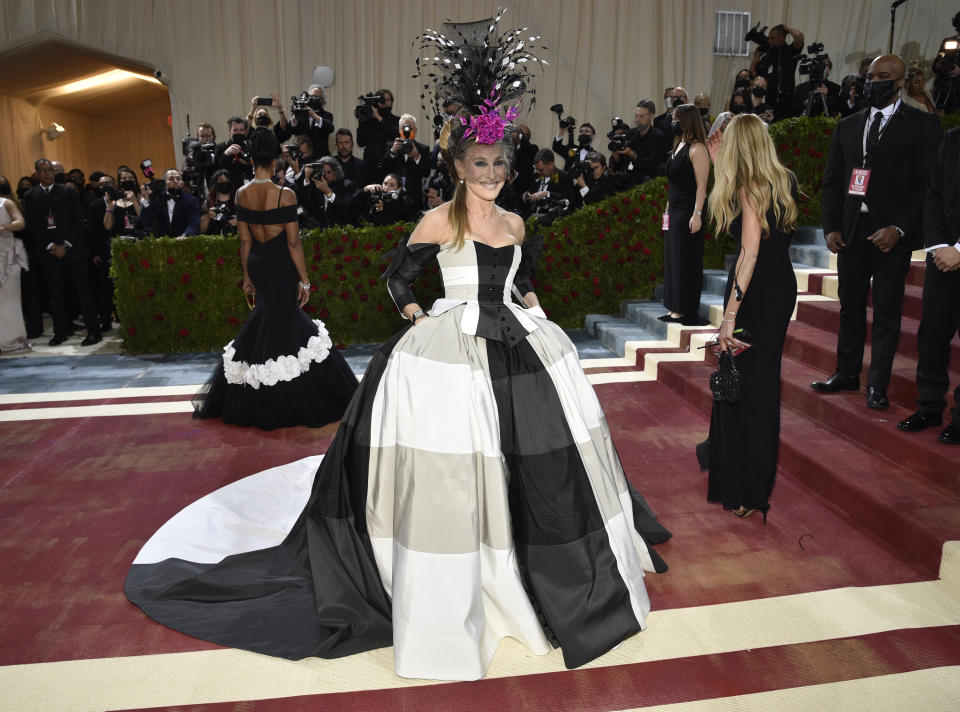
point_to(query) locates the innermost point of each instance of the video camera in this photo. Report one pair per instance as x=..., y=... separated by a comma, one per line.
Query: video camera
x=758, y=35
x=565, y=123
x=814, y=64
x=300, y=105
x=619, y=135
x=550, y=208
x=199, y=155
x=365, y=104
x=379, y=194
x=948, y=58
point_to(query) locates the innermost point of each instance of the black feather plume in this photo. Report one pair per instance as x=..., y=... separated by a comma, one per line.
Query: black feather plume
x=475, y=62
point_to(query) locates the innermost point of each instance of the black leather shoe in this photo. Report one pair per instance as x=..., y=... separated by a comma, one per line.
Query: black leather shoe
x=57, y=340
x=919, y=421
x=837, y=382
x=877, y=398
x=91, y=340
x=950, y=434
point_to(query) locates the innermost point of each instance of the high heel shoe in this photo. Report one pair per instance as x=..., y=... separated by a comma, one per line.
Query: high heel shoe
x=743, y=512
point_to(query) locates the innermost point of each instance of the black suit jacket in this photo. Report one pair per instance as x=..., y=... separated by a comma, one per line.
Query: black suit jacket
x=412, y=172
x=606, y=185
x=186, y=217
x=64, y=203
x=240, y=171
x=899, y=173
x=941, y=208
x=319, y=135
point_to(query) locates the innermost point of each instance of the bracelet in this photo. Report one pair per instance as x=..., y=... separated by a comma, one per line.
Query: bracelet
x=698, y=212
x=725, y=319
x=304, y=285
x=731, y=313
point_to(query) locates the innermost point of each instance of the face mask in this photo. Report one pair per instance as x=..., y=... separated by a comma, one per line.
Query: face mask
x=759, y=92
x=223, y=188
x=677, y=131
x=879, y=92
x=174, y=192
x=4, y=189
x=237, y=139
x=704, y=111
x=584, y=140
x=128, y=185
x=742, y=82
x=263, y=121
x=60, y=178
x=22, y=192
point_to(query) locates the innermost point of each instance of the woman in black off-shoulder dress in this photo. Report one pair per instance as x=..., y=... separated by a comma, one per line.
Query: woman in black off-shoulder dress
x=282, y=368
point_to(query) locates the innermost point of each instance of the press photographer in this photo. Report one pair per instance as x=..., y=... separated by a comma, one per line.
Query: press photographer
x=309, y=118
x=523, y=155
x=377, y=125
x=622, y=155
x=219, y=216
x=199, y=164
x=259, y=115
x=173, y=212
x=946, y=67
x=552, y=193
x=851, y=95
x=817, y=96
x=596, y=182
x=777, y=61
x=573, y=152
x=408, y=158
x=231, y=156
x=387, y=203
x=328, y=198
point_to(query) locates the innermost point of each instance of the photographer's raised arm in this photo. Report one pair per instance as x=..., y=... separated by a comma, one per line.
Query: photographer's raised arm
x=797, y=36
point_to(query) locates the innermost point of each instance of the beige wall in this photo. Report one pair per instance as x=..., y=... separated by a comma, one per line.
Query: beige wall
x=604, y=54
x=90, y=143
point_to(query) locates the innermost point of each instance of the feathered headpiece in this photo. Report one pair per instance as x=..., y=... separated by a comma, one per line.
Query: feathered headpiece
x=480, y=70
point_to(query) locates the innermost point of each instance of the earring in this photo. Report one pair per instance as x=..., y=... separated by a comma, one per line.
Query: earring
x=461, y=181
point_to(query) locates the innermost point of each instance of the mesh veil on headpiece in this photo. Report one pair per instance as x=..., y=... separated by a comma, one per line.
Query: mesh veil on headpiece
x=480, y=70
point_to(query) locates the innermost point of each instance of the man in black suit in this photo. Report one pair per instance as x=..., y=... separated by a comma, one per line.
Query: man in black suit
x=941, y=294
x=598, y=183
x=649, y=144
x=872, y=204
x=328, y=197
x=355, y=169
x=316, y=122
x=174, y=212
x=408, y=158
x=56, y=243
x=824, y=95
x=550, y=182
x=231, y=156
x=374, y=133
x=572, y=153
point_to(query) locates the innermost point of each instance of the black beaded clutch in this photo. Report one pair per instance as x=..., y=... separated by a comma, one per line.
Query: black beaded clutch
x=726, y=383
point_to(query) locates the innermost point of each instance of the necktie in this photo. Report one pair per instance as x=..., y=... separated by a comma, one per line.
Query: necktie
x=873, y=137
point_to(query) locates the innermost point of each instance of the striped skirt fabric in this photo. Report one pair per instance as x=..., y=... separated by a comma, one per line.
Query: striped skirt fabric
x=471, y=493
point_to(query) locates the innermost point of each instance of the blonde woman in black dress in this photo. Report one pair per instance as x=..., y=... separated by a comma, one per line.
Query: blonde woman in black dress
x=755, y=199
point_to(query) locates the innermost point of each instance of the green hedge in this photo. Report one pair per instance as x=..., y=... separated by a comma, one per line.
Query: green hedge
x=185, y=296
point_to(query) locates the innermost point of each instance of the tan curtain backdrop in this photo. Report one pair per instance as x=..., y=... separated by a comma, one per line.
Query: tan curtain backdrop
x=604, y=54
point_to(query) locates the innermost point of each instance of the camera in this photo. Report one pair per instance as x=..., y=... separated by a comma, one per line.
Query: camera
x=197, y=154
x=565, y=123
x=406, y=143
x=221, y=212
x=302, y=104
x=758, y=35
x=365, y=104
x=619, y=135
x=264, y=101
x=814, y=64
x=948, y=58
x=577, y=168
x=380, y=194
x=550, y=208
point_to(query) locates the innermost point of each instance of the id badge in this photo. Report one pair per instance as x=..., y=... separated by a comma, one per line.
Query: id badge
x=666, y=222
x=859, y=180
x=51, y=223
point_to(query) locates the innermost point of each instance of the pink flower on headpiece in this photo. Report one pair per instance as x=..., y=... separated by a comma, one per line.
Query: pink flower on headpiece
x=488, y=126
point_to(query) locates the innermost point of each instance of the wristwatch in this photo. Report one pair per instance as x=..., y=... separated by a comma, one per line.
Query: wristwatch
x=417, y=314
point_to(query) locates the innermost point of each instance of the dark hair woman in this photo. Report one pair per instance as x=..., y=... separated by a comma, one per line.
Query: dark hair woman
x=688, y=168
x=220, y=216
x=281, y=369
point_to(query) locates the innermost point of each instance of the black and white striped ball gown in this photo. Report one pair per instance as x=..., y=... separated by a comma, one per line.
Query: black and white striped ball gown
x=471, y=493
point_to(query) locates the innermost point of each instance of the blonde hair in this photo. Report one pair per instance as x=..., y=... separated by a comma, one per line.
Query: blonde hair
x=747, y=161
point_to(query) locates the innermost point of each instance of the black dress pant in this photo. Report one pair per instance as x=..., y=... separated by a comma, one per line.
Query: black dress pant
x=939, y=324
x=858, y=264
x=56, y=274
x=33, y=299
x=102, y=285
